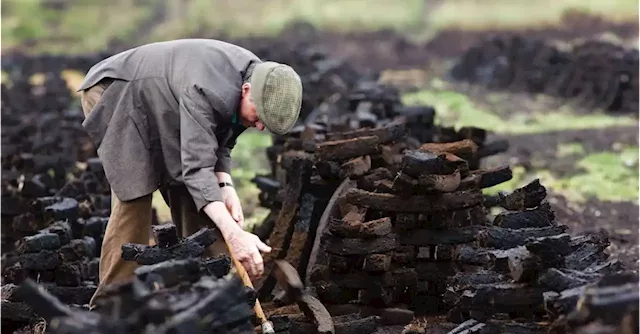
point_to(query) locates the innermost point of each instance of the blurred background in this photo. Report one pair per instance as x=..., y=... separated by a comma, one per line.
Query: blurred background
x=412, y=43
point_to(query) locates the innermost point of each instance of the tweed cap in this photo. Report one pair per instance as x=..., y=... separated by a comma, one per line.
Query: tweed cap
x=276, y=90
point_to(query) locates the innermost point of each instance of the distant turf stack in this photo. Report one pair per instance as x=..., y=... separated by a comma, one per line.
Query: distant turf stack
x=595, y=74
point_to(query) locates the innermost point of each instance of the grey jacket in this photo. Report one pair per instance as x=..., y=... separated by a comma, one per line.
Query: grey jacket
x=167, y=118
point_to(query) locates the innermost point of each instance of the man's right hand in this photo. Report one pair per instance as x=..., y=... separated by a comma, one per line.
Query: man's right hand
x=244, y=246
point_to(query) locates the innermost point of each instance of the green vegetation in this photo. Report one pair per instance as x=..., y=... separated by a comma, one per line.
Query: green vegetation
x=611, y=176
x=456, y=109
x=567, y=149
x=608, y=176
x=249, y=158
x=83, y=26
x=245, y=17
x=473, y=14
x=88, y=25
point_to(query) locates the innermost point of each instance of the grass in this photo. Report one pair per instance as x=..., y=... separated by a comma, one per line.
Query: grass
x=249, y=158
x=456, y=109
x=503, y=14
x=88, y=25
x=244, y=17
x=83, y=27
x=607, y=176
x=611, y=176
x=568, y=149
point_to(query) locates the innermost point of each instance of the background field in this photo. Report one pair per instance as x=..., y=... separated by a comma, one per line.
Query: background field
x=589, y=159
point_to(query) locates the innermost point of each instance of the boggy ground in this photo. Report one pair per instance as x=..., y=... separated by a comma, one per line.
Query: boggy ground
x=591, y=172
x=588, y=161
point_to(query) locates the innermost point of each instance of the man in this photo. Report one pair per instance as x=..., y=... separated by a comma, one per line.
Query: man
x=166, y=116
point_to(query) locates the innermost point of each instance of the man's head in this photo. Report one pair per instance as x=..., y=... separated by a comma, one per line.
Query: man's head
x=271, y=98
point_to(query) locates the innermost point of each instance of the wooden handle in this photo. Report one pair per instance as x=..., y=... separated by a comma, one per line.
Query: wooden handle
x=247, y=282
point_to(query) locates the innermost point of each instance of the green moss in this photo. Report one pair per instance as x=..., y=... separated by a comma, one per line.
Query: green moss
x=567, y=149
x=611, y=176
x=607, y=176
x=456, y=109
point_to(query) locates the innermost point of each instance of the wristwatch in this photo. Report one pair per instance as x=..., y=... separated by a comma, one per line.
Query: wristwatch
x=225, y=184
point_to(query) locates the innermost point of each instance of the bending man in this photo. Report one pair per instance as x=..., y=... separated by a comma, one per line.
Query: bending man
x=166, y=116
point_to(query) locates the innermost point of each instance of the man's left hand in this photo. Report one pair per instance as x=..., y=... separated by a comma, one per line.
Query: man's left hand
x=232, y=202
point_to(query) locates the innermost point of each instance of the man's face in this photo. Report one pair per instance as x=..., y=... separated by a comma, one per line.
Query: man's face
x=248, y=112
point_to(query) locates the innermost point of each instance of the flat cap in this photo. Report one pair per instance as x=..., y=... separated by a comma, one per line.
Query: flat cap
x=276, y=90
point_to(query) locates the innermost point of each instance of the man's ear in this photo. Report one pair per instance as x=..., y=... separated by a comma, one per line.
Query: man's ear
x=246, y=88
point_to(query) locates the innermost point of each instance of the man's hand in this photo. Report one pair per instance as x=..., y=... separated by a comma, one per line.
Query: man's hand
x=232, y=202
x=244, y=246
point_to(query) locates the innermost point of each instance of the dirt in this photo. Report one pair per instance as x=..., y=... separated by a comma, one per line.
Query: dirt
x=385, y=49
x=541, y=150
x=619, y=219
x=575, y=25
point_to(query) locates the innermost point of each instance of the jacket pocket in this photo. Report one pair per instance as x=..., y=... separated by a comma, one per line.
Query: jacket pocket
x=142, y=125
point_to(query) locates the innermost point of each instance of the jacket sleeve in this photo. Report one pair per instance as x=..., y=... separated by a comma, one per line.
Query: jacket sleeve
x=199, y=147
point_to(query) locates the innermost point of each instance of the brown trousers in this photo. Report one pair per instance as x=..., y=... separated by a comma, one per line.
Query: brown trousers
x=130, y=221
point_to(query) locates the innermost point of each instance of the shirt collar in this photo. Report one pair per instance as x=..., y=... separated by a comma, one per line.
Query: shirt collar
x=235, y=121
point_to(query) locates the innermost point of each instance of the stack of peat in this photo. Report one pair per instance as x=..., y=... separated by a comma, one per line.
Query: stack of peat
x=363, y=138
x=385, y=228
x=55, y=197
x=597, y=74
x=347, y=137
x=174, y=290
x=47, y=158
x=524, y=271
x=390, y=243
x=61, y=256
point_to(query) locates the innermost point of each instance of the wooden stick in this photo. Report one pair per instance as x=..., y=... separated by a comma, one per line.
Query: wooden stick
x=266, y=325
